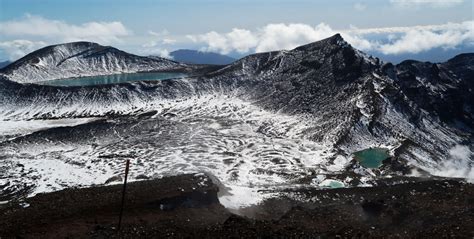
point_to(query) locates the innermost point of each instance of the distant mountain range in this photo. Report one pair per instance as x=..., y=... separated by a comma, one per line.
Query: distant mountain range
x=199, y=57
x=433, y=55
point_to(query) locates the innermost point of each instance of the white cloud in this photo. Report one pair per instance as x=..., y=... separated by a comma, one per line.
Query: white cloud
x=31, y=32
x=269, y=38
x=441, y=27
x=154, y=43
x=420, y=3
x=164, y=32
x=283, y=36
x=272, y=37
x=168, y=41
x=150, y=44
x=418, y=40
x=239, y=40
x=162, y=37
x=41, y=28
x=161, y=52
x=360, y=6
x=391, y=40
x=18, y=48
x=153, y=48
x=214, y=40
x=155, y=51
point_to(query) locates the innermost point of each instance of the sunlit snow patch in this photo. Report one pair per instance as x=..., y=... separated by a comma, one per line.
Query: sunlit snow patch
x=247, y=148
x=330, y=183
x=10, y=129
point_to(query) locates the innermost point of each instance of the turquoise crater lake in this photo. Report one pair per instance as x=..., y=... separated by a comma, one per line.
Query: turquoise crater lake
x=114, y=79
x=372, y=157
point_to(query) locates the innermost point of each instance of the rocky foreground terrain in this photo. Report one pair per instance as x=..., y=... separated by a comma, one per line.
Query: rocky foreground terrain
x=187, y=206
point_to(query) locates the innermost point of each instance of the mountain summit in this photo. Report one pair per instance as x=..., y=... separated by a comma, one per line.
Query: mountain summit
x=331, y=53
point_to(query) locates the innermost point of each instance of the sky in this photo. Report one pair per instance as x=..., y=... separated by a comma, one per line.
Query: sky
x=391, y=29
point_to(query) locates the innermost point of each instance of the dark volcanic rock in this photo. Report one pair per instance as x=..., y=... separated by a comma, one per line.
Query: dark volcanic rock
x=77, y=212
x=445, y=89
x=187, y=206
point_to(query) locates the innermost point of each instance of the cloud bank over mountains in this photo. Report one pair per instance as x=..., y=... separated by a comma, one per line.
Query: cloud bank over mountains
x=31, y=32
x=16, y=49
x=39, y=27
x=287, y=36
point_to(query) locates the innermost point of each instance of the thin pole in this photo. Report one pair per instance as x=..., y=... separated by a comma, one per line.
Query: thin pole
x=123, y=194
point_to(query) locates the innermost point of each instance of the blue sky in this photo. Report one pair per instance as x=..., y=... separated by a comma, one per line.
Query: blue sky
x=387, y=27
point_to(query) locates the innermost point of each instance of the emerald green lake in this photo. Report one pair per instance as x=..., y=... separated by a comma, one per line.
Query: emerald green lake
x=372, y=158
x=113, y=79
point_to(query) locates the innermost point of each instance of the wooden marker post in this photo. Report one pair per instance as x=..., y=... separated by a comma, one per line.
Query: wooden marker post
x=127, y=166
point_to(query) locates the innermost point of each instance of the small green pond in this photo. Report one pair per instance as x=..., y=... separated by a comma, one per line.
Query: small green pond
x=372, y=157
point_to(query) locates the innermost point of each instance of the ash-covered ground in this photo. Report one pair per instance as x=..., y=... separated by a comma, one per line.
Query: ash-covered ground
x=187, y=206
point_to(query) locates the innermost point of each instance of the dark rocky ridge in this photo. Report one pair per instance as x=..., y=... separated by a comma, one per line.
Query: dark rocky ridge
x=187, y=206
x=444, y=89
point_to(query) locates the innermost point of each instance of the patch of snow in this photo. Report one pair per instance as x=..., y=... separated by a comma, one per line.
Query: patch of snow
x=241, y=197
x=11, y=129
x=331, y=183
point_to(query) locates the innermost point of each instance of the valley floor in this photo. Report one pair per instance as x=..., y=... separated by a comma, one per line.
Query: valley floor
x=188, y=206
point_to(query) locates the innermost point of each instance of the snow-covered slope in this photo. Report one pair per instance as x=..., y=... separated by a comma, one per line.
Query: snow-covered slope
x=268, y=120
x=78, y=59
x=421, y=111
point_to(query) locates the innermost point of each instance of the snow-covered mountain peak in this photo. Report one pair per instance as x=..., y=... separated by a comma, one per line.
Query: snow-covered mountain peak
x=77, y=59
x=332, y=53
